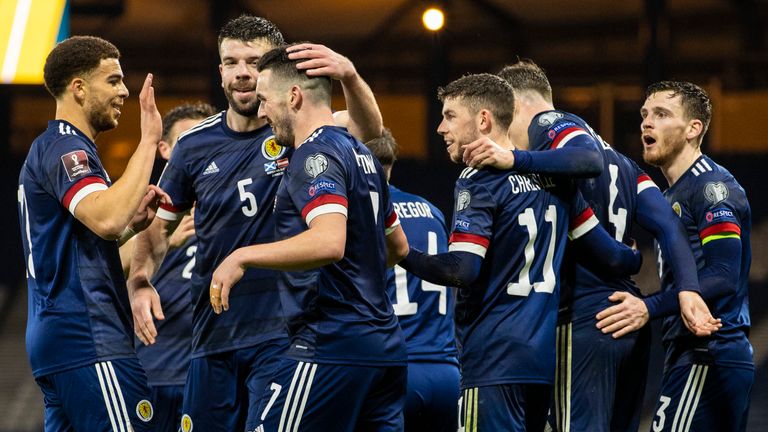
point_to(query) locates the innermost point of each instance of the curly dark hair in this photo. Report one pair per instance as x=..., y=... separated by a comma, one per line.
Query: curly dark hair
x=72, y=57
x=525, y=75
x=483, y=91
x=695, y=100
x=283, y=68
x=197, y=110
x=248, y=27
x=384, y=148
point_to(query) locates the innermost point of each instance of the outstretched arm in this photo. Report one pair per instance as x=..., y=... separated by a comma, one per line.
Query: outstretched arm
x=365, y=122
x=458, y=269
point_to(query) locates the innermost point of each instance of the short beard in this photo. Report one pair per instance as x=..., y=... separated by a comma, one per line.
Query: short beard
x=284, y=134
x=663, y=156
x=100, y=118
x=250, y=109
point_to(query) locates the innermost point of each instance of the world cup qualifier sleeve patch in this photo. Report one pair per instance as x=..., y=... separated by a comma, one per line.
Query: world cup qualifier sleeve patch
x=76, y=164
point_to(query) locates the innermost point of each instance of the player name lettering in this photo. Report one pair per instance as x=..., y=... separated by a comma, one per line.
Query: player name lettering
x=522, y=183
x=412, y=210
x=366, y=163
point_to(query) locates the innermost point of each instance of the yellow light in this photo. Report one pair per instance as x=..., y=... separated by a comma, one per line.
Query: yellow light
x=433, y=19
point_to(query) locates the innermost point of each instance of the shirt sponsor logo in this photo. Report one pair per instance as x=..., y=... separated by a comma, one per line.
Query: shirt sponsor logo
x=321, y=185
x=76, y=164
x=716, y=192
x=461, y=224
x=271, y=150
x=463, y=200
x=718, y=214
x=315, y=165
x=549, y=118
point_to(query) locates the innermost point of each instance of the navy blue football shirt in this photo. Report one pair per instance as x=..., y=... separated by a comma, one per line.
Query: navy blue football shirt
x=231, y=178
x=79, y=311
x=340, y=313
x=425, y=310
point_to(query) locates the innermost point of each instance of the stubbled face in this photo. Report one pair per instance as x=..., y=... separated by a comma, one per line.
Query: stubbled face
x=239, y=74
x=458, y=127
x=664, y=128
x=273, y=98
x=105, y=94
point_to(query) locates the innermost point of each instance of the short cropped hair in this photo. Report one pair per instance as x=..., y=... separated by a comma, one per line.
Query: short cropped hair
x=284, y=69
x=695, y=100
x=78, y=55
x=194, y=111
x=384, y=148
x=525, y=75
x=481, y=91
x=248, y=27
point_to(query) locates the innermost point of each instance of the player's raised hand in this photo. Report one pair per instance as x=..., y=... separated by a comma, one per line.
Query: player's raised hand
x=145, y=305
x=696, y=315
x=628, y=315
x=484, y=152
x=227, y=274
x=321, y=60
x=151, y=121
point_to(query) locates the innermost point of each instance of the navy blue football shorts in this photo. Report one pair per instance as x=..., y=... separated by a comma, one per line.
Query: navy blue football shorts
x=168, y=402
x=106, y=396
x=431, y=402
x=326, y=397
x=599, y=381
x=223, y=390
x=701, y=398
x=505, y=407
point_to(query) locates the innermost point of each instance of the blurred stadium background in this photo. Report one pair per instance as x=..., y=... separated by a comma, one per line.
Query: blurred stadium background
x=599, y=55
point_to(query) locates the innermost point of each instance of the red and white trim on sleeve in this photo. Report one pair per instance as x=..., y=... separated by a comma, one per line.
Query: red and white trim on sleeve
x=324, y=204
x=644, y=182
x=583, y=224
x=472, y=243
x=169, y=212
x=82, y=189
x=391, y=223
x=567, y=134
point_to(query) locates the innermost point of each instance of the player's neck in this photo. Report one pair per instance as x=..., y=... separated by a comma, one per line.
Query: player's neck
x=680, y=164
x=309, y=120
x=76, y=117
x=240, y=123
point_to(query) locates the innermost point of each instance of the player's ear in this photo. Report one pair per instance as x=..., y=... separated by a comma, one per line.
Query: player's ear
x=78, y=88
x=484, y=121
x=296, y=97
x=694, y=130
x=165, y=149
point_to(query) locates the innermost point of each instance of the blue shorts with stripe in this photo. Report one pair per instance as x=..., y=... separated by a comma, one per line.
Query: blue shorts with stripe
x=223, y=390
x=505, y=407
x=431, y=402
x=109, y=396
x=168, y=403
x=599, y=381
x=703, y=397
x=322, y=397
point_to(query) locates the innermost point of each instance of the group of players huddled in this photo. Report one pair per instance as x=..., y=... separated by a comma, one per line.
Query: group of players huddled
x=279, y=283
